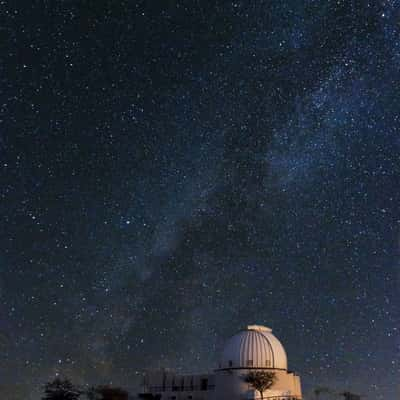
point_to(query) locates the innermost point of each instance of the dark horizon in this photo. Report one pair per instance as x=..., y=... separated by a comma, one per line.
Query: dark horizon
x=171, y=172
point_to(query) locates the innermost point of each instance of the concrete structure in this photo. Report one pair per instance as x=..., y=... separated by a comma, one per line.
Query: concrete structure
x=253, y=348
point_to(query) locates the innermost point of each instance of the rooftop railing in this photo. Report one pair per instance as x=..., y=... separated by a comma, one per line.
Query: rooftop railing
x=193, y=388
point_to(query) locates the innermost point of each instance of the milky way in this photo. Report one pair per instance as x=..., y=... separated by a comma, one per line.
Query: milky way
x=172, y=172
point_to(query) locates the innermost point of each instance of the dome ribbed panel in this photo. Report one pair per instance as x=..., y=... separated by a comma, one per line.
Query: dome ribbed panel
x=279, y=359
x=260, y=354
x=256, y=345
x=267, y=352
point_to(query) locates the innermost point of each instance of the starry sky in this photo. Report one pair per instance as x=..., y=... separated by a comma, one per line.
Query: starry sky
x=174, y=170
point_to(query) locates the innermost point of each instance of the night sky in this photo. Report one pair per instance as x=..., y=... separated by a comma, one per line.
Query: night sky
x=174, y=170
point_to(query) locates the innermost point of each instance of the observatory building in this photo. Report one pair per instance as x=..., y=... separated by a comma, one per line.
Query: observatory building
x=254, y=348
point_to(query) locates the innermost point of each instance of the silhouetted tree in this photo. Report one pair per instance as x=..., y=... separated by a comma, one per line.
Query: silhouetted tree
x=350, y=396
x=61, y=390
x=110, y=393
x=322, y=390
x=260, y=380
x=91, y=393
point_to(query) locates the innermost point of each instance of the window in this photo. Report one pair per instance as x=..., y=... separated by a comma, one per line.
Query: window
x=204, y=384
x=249, y=363
x=268, y=363
x=230, y=363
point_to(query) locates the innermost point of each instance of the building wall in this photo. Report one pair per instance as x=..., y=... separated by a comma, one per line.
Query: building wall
x=223, y=385
x=230, y=385
x=167, y=385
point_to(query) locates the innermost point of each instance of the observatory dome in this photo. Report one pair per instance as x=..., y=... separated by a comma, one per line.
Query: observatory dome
x=253, y=347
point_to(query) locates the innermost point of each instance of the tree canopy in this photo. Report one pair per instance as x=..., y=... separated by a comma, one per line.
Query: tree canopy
x=260, y=380
x=110, y=393
x=61, y=390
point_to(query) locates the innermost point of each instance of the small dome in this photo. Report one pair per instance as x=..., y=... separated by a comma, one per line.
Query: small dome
x=254, y=347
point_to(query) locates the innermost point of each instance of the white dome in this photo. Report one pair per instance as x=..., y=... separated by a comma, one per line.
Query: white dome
x=254, y=347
